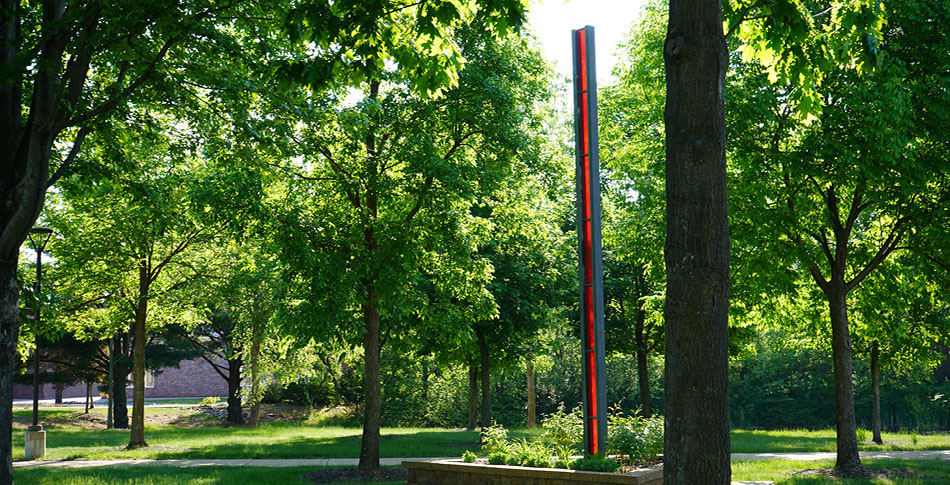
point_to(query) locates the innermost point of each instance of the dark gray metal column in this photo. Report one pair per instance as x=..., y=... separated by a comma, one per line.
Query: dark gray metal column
x=589, y=242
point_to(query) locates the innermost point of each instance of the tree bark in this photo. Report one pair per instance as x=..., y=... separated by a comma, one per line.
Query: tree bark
x=9, y=333
x=876, y=392
x=847, y=462
x=472, y=394
x=120, y=405
x=372, y=396
x=532, y=420
x=235, y=413
x=256, y=336
x=644, y=380
x=696, y=439
x=137, y=437
x=57, y=393
x=486, y=377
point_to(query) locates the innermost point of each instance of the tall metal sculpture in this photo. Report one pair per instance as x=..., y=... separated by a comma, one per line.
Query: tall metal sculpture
x=589, y=245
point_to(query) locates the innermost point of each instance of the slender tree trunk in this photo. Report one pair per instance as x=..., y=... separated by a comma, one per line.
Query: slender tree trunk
x=88, y=397
x=137, y=437
x=425, y=380
x=848, y=463
x=256, y=336
x=235, y=413
x=532, y=412
x=372, y=396
x=57, y=393
x=472, y=394
x=876, y=392
x=9, y=333
x=486, y=377
x=696, y=439
x=643, y=376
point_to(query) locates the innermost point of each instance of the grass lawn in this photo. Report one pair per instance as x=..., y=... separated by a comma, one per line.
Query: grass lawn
x=184, y=433
x=163, y=475
x=936, y=472
x=747, y=441
x=779, y=470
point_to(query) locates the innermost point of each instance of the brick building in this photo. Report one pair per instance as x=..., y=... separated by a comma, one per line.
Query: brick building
x=192, y=378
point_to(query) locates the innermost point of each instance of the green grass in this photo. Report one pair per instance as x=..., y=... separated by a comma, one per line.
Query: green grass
x=162, y=475
x=799, y=440
x=937, y=472
x=320, y=436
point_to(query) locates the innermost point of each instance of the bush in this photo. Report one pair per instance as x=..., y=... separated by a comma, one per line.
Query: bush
x=469, y=457
x=596, y=463
x=209, y=401
x=564, y=429
x=563, y=463
x=498, y=458
x=495, y=439
x=639, y=439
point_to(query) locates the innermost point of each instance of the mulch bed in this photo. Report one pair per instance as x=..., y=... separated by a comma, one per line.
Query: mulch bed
x=338, y=475
x=871, y=473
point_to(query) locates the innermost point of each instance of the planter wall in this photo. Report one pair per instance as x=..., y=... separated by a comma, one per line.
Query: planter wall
x=455, y=472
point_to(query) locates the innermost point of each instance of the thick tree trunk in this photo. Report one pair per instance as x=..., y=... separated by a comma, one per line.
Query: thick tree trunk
x=369, y=449
x=235, y=414
x=137, y=437
x=472, y=394
x=532, y=412
x=643, y=376
x=847, y=463
x=57, y=394
x=696, y=444
x=9, y=333
x=876, y=392
x=486, y=377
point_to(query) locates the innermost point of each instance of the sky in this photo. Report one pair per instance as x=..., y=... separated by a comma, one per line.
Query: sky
x=553, y=20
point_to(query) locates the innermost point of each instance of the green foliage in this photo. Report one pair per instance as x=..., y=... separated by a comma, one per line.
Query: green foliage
x=638, y=439
x=498, y=458
x=469, y=457
x=596, y=463
x=494, y=439
x=564, y=429
x=209, y=401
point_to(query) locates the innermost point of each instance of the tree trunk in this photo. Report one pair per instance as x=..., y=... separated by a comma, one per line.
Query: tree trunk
x=472, y=394
x=696, y=439
x=486, y=377
x=425, y=380
x=876, y=392
x=532, y=412
x=57, y=393
x=9, y=333
x=369, y=449
x=137, y=437
x=256, y=336
x=643, y=376
x=120, y=405
x=847, y=463
x=235, y=414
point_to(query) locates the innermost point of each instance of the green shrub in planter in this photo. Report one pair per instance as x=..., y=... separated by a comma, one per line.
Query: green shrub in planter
x=498, y=458
x=564, y=429
x=639, y=439
x=563, y=463
x=596, y=463
x=494, y=439
x=469, y=457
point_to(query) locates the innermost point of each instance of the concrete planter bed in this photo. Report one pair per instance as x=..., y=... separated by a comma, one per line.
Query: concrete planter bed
x=455, y=472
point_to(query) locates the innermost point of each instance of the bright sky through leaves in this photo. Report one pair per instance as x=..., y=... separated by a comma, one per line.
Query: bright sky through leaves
x=553, y=20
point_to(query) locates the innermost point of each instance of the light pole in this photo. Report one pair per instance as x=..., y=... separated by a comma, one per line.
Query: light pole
x=35, y=444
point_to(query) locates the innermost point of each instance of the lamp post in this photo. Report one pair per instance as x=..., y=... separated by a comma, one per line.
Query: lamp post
x=35, y=444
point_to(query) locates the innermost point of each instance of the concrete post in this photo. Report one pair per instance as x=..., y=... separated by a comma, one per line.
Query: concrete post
x=35, y=443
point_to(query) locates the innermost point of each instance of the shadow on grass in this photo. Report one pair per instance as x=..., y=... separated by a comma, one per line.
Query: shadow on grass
x=745, y=441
